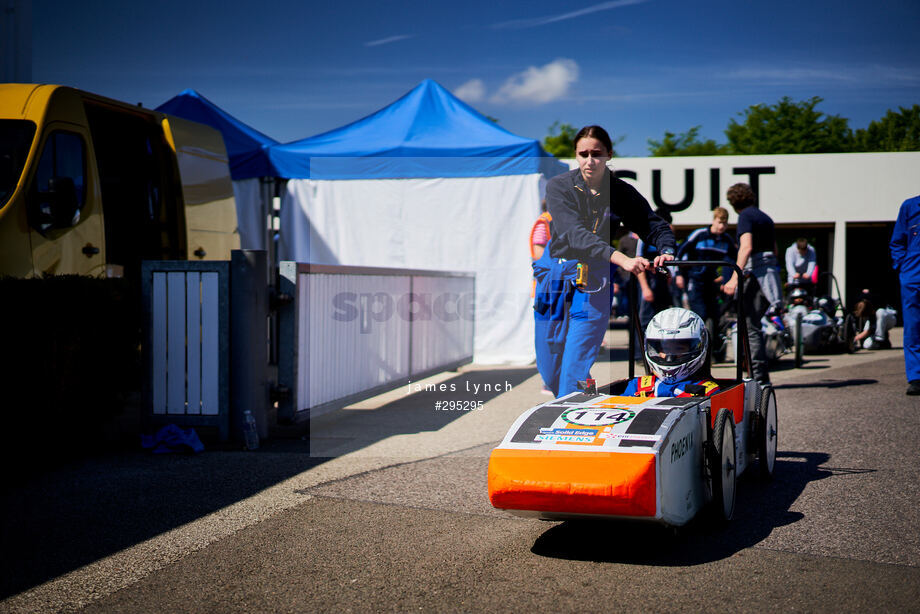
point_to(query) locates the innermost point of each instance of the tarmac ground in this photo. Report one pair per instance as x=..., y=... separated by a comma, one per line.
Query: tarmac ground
x=383, y=507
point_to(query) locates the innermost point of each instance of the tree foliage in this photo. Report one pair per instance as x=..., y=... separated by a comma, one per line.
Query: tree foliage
x=782, y=128
x=893, y=132
x=788, y=127
x=562, y=143
x=685, y=144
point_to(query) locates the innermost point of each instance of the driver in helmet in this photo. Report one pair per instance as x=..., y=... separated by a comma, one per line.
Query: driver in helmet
x=800, y=296
x=677, y=350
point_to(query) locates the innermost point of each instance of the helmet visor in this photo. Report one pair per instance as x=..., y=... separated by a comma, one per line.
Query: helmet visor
x=671, y=351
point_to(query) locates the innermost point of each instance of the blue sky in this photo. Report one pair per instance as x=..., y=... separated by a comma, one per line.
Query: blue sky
x=637, y=67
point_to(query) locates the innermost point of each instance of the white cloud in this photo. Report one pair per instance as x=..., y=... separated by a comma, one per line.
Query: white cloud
x=472, y=91
x=517, y=24
x=860, y=75
x=387, y=40
x=539, y=85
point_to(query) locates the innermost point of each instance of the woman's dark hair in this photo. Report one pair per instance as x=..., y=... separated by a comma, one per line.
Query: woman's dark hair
x=594, y=132
x=864, y=309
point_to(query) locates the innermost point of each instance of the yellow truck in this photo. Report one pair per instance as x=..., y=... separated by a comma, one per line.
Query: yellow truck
x=93, y=186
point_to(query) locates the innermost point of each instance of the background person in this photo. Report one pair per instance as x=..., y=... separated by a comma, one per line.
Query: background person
x=539, y=237
x=654, y=287
x=540, y=233
x=801, y=261
x=702, y=283
x=757, y=256
x=905, y=256
x=586, y=204
x=628, y=244
x=873, y=324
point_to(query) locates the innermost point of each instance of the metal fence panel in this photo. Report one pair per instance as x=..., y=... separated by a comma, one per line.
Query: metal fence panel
x=187, y=342
x=352, y=332
x=442, y=322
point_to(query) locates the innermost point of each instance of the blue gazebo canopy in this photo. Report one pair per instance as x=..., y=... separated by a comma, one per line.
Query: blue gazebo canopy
x=428, y=132
x=246, y=147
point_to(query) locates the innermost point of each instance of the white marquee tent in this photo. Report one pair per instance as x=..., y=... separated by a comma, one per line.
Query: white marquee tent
x=425, y=183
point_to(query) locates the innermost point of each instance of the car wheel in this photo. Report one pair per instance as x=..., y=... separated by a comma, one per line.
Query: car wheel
x=723, y=465
x=767, y=433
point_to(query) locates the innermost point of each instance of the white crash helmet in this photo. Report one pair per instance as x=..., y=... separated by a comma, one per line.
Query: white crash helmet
x=676, y=344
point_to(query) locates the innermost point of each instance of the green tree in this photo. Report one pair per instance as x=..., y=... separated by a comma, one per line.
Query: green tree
x=894, y=132
x=788, y=127
x=559, y=141
x=685, y=144
x=562, y=143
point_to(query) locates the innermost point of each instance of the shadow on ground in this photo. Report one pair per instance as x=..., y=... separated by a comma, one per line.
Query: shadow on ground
x=760, y=508
x=828, y=383
x=91, y=504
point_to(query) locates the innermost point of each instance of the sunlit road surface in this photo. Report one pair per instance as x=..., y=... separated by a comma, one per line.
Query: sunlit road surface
x=385, y=509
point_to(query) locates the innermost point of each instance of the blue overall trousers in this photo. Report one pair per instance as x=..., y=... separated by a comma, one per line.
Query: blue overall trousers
x=569, y=324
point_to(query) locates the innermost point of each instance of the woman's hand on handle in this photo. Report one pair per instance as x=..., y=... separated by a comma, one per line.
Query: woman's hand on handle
x=635, y=265
x=661, y=259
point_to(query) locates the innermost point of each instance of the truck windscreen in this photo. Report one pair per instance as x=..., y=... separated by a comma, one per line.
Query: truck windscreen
x=15, y=140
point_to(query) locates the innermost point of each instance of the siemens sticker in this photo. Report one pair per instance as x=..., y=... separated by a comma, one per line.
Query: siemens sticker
x=566, y=435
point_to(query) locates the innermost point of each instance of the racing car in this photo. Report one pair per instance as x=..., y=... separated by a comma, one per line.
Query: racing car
x=824, y=326
x=598, y=453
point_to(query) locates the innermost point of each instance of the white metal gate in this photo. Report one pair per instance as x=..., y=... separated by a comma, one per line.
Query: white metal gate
x=187, y=342
x=352, y=332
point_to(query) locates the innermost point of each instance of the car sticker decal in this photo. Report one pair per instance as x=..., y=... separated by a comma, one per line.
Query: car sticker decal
x=543, y=417
x=603, y=424
x=619, y=401
x=636, y=443
x=648, y=421
x=594, y=416
x=679, y=401
x=581, y=398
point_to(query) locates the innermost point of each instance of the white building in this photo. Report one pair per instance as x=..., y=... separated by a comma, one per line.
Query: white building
x=844, y=204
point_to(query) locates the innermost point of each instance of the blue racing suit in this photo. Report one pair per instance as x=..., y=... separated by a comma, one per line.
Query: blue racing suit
x=566, y=331
x=905, y=256
x=652, y=386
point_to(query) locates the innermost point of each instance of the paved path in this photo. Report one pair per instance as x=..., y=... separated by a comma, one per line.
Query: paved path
x=387, y=511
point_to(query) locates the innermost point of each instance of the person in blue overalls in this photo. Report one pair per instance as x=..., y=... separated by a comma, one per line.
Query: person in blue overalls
x=573, y=295
x=905, y=256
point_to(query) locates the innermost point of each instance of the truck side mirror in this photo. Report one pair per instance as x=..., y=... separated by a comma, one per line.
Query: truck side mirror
x=58, y=208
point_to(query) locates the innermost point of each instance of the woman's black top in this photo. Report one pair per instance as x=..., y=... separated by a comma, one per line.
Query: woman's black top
x=583, y=223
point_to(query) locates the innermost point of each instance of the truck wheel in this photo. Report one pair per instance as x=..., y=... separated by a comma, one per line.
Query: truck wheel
x=766, y=433
x=723, y=465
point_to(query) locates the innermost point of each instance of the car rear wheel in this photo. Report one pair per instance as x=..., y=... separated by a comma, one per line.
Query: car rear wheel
x=723, y=466
x=766, y=433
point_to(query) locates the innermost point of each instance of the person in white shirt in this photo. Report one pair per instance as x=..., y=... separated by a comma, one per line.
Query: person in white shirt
x=801, y=260
x=873, y=324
